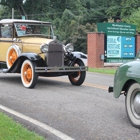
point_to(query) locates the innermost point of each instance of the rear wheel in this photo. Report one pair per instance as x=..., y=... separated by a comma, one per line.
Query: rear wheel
x=77, y=78
x=28, y=75
x=133, y=104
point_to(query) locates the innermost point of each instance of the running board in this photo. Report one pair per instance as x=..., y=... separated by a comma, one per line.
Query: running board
x=3, y=70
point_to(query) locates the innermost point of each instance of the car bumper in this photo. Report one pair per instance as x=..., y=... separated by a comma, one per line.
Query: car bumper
x=61, y=69
x=110, y=89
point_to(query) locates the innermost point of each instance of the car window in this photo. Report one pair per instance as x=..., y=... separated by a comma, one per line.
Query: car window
x=33, y=29
x=6, y=31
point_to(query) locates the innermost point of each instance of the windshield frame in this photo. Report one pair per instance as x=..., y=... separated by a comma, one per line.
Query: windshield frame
x=20, y=29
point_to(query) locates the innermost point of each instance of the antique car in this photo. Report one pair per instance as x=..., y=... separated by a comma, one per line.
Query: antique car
x=127, y=82
x=29, y=47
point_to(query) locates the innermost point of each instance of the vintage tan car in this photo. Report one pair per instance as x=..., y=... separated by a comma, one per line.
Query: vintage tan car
x=29, y=47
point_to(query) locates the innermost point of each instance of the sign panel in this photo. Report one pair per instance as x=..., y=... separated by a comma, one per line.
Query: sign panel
x=120, y=60
x=120, y=47
x=120, y=43
x=113, y=46
x=121, y=29
x=128, y=47
x=23, y=17
x=117, y=29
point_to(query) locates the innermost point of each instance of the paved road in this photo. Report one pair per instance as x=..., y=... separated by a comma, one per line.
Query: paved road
x=86, y=112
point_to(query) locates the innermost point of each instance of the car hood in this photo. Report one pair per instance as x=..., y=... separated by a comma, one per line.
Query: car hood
x=35, y=40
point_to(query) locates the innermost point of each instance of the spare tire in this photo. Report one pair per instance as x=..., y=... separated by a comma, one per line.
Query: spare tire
x=12, y=54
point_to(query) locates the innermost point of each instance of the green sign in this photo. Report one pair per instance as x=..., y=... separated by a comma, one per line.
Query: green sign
x=23, y=17
x=117, y=29
x=111, y=60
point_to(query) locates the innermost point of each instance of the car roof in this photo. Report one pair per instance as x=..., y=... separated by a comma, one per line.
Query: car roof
x=22, y=21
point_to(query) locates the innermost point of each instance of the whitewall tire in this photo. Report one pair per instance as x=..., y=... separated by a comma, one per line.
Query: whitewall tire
x=132, y=102
x=28, y=75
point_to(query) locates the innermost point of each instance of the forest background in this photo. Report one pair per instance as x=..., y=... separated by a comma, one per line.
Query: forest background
x=73, y=19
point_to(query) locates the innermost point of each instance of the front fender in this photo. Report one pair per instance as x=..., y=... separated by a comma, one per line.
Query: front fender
x=73, y=61
x=125, y=74
x=22, y=57
x=30, y=56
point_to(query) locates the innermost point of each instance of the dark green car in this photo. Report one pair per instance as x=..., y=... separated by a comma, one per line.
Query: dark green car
x=127, y=82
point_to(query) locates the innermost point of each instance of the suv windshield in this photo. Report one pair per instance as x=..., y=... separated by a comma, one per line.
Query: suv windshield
x=37, y=29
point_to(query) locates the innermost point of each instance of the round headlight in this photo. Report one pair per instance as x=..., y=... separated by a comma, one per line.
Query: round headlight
x=69, y=47
x=44, y=48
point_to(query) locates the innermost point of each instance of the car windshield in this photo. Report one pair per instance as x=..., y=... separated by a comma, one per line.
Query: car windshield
x=34, y=29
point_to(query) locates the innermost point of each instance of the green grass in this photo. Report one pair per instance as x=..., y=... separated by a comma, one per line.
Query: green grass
x=103, y=70
x=11, y=130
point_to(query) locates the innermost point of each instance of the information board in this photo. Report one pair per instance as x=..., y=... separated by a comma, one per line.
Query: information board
x=120, y=41
x=120, y=47
x=114, y=46
x=128, y=47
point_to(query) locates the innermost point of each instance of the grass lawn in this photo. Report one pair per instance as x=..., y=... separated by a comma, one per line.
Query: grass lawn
x=103, y=70
x=11, y=130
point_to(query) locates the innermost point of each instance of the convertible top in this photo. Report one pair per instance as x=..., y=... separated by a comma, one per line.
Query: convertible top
x=22, y=21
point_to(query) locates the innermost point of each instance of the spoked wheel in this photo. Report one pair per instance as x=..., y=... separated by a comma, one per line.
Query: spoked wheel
x=28, y=75
x=133, y=104
x=77, y=78
x=12, y=54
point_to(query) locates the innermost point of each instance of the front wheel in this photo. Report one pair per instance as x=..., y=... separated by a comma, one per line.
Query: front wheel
x=77, y=78
x=28, y=75
x=132, y=102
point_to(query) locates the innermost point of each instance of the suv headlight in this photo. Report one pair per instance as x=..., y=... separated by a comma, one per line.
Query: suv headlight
x=69, y=47
x=44, y=48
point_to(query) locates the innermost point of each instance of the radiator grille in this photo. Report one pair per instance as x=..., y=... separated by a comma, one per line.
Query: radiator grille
x=55, y=56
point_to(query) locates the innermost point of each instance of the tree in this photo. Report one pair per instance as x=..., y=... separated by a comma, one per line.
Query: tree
x=37, y=9
x=79, y=37
x=128, y=7
x=134, y=19
x=101, y=10
x=66, y=25
x=16, y=4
